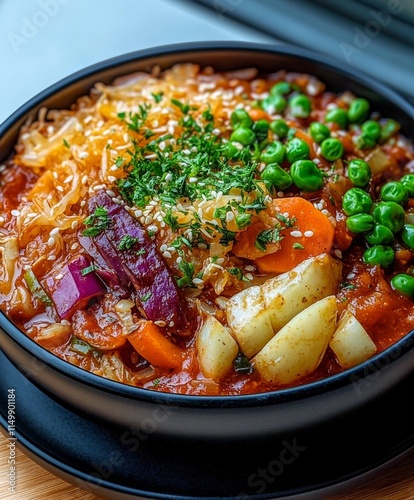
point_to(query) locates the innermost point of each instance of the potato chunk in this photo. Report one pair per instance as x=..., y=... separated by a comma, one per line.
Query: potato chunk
x=351, y=343
x=216, y=348
x=257, y=313
x=299, y=346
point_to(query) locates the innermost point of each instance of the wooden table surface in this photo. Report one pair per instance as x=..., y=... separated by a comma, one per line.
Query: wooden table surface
x=394, y=482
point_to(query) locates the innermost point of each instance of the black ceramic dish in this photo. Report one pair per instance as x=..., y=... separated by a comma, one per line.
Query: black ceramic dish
x=233, y=418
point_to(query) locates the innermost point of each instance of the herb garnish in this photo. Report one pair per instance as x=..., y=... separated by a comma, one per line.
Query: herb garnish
x=127, y=242
x=97, y=222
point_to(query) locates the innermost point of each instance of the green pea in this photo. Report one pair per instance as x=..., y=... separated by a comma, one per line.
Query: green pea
x=403, y=283
x=390, y=128
x=319, y=131
x=332, y=149
x=274, y=153
x=297, y=149
x=243, y=135
x=380, y=235
x=230, y=150
x=408, y=181
x=358, y=110
x=300, y=106
x=394, y=191
x=371, y=128
x=274, y=175
x=359, y=172
x=364, y=141
x=379, y=255
x=274, y=104
x=389, y=214
x=356, y=201
x=261, y=129
x=360, y=223
x=337, y=115
x=280, y=128
x=407, y=235
x=281, y=88
x=241, y=118
x=306, y=175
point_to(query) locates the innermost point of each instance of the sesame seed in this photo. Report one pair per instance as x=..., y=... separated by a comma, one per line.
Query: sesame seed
x=250, y=268
x=74, y=224
x=248, y=276
x=15, y=213
x=51, y=257
x=2, y=219
x=160, y=323
x=167, y=254
x=51, y=241
x=58, y=276
x=148, y=219
x=68, y=179
x=111, y=178
x=338, y=253
x=84, y=179
x=153, y=228
x=308, y=234
x=296, y=234
x=74, y=246
x=198, y=281
x=54, y=231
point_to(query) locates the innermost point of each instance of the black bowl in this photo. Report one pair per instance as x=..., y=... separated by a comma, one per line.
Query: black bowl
x=230, y=418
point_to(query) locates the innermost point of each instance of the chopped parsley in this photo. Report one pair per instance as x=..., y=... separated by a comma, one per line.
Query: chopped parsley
x=127, y=242
x=146, y=297
x=157, y=96
x=297, y=246
x=87, y=270
x=97, y=222
x=236, y=271
x=66, y=144
x=267, y=236
x=242, y=364
x=135, y=121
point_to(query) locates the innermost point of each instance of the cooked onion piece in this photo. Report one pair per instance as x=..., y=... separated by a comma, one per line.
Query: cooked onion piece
x=300, y=345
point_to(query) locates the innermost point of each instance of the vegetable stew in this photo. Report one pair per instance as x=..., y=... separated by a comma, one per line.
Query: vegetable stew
x=210, y=233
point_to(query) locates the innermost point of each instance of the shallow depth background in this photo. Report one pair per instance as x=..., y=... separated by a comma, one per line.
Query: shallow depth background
x=42, y=41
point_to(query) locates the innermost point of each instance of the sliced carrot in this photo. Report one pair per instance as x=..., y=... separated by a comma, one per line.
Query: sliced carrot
x=311, y=235
x=155, y=347
x=259, y=114
x=245, y=246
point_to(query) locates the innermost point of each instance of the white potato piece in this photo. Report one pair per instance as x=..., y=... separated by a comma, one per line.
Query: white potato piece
x=351, y=343
x=300, y=345
x=216, y=348
x=257, y=313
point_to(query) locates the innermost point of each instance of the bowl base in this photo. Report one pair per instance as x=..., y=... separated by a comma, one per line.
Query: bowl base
x=126, y=464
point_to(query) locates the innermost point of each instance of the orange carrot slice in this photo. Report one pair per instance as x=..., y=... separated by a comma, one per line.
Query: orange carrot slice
x=155, y=347
x=311, y=235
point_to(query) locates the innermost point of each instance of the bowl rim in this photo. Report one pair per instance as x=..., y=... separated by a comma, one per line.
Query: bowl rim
x=336, y=381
